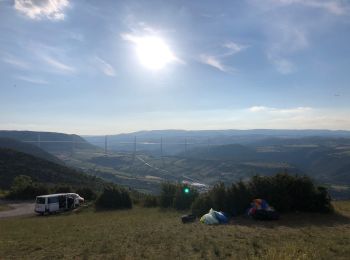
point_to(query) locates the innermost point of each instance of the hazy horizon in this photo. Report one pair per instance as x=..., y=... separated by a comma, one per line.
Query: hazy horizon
x=184, y=130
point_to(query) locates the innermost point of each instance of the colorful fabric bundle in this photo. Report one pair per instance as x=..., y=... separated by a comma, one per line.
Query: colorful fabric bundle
x=260, y=209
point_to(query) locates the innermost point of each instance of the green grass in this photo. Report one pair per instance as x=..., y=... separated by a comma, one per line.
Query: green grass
x=154, y=234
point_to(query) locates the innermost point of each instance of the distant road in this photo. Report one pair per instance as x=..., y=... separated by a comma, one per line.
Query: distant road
x=18, y=209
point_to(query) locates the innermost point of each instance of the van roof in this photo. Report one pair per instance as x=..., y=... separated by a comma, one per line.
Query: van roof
x=55, y=195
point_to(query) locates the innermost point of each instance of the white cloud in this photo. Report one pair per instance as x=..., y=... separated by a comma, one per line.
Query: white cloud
x=105, y=67
x=57, y=64
x=38, y=9
x=32, y=80
x=272, y=110
x=258, y=108
x=214, y=62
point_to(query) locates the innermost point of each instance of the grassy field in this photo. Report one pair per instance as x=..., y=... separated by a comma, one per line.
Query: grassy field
x=154, y=234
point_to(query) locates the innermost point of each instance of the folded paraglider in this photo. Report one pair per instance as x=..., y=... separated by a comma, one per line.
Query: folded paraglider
x=261, y=210
x=214, y=217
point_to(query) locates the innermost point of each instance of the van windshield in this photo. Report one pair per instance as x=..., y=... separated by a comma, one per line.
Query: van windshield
x=40, y=200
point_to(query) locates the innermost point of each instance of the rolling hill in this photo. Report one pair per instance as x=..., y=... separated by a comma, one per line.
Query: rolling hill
x=176, y=141
x=28, y=148
x=325, y=159
x=50, y=141
x=14, y=163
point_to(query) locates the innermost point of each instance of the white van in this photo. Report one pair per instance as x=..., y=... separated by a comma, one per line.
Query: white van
x=57, y=202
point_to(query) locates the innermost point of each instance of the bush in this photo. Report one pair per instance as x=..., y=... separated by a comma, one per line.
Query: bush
x=202, y=204
x=282, y=191
x=114, y=198
x=24, y=188
x=218, y=196
x=178, y=196
x=149, y=201
x=238, y=198
x=184, y=197
x=291, y=193
x=167, y=195
x=62, y=189
x=87, y=193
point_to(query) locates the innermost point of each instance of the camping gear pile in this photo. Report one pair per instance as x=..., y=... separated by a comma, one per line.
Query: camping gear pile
x=188, y=218
x=214, y=217
x=261, y=210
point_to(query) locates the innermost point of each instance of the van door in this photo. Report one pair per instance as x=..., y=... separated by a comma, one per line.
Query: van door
x=53, y=204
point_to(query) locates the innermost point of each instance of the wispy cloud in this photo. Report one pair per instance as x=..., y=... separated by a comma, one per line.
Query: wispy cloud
x=105, y=67
x=14, y=61
x=234, y=48
x=286, y=39
x=288, y=35
x=60, y=66
x=217, y=61
x=32, y=80
x=336, y=7
x=283, y=65
x=213, y=61
x=39, y=9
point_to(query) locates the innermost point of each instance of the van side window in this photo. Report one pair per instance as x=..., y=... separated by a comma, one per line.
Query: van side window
x=40, y=200
x=53, y=200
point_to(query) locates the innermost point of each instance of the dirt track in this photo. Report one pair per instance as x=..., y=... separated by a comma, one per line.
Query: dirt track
x=18, y=209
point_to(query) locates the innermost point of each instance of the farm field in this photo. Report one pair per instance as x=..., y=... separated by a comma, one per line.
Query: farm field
x=143, y=233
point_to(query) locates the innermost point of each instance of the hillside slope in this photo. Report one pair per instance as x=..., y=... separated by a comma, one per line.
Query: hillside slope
x=50, y=141
x=325, y=159
x=14, y=163
x=28, y=149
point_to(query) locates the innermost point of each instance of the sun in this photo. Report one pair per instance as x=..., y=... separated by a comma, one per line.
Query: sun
x=153, y=52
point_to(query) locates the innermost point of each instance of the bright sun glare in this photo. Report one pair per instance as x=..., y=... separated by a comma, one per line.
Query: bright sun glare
x=153, y=52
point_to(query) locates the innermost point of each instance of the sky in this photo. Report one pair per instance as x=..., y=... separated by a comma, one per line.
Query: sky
x=107, y=67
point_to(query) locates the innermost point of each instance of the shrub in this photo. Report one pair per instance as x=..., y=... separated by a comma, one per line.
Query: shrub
x=291, y=193
x=282, y=191
x=218, y=195
x=87, y=193
x=202, y=204
x=62, y=189
x=149, y=201
x=114, y=198
x=167, y=195
x=24, y=188
x=238, y=198
x=178, y=196
x=184, y=197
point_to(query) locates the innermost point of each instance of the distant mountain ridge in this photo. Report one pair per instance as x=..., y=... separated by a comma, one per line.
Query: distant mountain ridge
x=175, y=141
